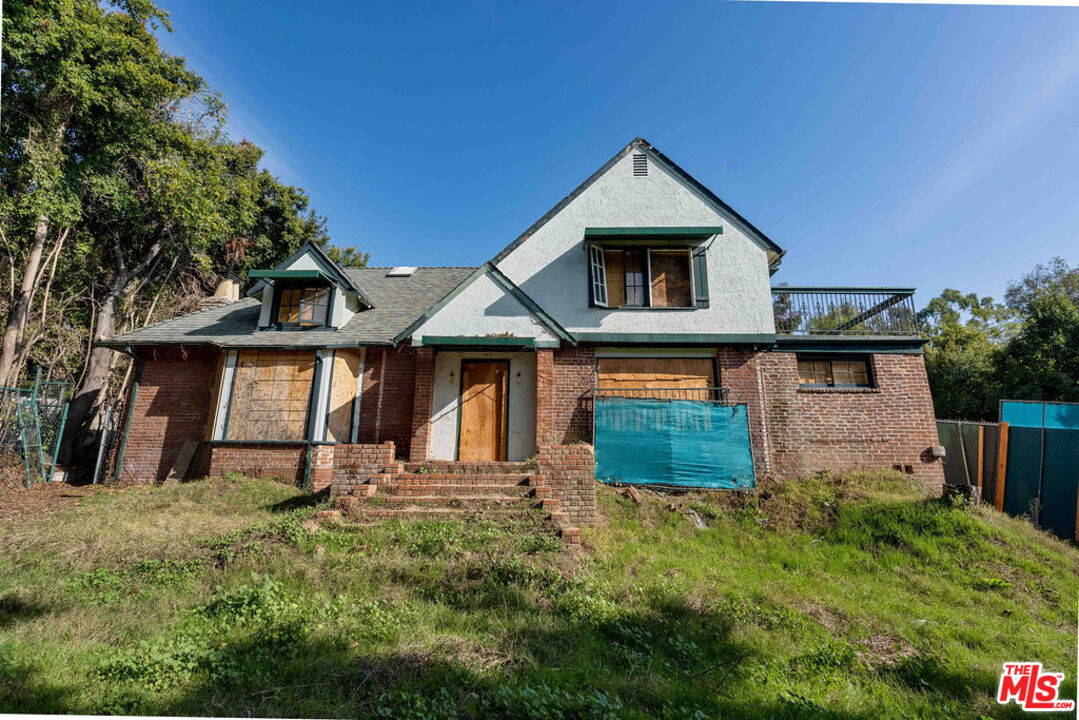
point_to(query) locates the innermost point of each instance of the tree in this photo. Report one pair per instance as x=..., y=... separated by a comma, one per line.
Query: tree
x=1042, y=361
x=964, y=334
x=1052, y=278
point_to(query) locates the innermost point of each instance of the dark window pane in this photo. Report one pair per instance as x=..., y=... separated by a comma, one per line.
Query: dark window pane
x=635, y=288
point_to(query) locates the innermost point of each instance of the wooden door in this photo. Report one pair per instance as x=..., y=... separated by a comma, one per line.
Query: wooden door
x=484, y=395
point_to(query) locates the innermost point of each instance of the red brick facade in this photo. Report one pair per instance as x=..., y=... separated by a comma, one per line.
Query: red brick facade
x=793, y=431
x=387, y=397
x=889, y=426
x=283, y=462
x=564, y=382
x=171, y=408
x=570, y=473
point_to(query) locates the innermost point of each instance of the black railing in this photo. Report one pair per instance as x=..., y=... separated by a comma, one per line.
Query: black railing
x=844, y=311
x=711, y=394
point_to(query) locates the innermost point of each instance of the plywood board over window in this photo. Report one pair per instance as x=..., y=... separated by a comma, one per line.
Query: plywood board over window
x=671, y=278
x=667, y=378
x=271, y=394
x=346, y=372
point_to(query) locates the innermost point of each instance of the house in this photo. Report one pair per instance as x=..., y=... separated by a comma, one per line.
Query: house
x=641, y=289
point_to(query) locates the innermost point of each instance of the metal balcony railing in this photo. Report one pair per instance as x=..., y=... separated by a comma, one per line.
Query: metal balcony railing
x=711, y=394
x=844, y=311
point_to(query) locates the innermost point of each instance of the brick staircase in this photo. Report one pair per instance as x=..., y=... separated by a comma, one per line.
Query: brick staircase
x=450, y=489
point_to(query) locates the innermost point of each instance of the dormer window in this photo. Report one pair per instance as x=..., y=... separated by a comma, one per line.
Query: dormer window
x=306, y=307
x=644, y=277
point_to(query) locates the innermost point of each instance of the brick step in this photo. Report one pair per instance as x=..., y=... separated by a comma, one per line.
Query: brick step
x=422, y=479
x=456, y=490
x=476, y=502
x=428, y=512
x=469, y=468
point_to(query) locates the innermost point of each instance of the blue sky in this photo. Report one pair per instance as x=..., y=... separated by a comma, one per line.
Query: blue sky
x=899, y=145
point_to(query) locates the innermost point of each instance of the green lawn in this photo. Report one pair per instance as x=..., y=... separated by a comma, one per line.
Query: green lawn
x=852, y=597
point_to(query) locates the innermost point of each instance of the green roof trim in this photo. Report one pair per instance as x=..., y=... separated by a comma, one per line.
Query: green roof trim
x=677, y=338
x=879, y=344
x=327, y=265
x=289, y=275
x=495, y=341
x=682, y=233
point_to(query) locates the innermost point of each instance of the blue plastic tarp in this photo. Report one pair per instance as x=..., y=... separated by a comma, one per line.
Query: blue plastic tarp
x=688, y=443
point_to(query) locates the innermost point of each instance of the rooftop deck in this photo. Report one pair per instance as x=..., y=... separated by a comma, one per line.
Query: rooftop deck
x=881, y=312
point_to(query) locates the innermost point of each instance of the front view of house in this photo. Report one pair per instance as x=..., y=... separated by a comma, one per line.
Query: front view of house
x=637, y=315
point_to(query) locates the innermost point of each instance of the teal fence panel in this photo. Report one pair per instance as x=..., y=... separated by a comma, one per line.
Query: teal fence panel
x=685, y=443
x=1043, y=463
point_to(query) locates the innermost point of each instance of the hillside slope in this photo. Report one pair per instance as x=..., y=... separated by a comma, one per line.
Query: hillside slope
x=850, y=597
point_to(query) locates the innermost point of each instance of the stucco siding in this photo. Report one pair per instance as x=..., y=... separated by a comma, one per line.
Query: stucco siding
x=550, y=266
x=482, y=309
x=522, y=404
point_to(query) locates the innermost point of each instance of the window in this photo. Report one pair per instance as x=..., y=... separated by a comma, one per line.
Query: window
x=270, y=394
x=306, y=307
x=647, y=278
x=840, y=372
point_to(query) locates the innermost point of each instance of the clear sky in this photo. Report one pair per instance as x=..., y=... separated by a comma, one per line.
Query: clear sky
x=899, y=145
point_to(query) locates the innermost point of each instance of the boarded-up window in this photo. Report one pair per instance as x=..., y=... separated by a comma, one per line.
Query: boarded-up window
x=665, y=378
x=270, y=395
x=846, y=372
x=346, y=372
x=303, y=306
x=671, y=283
x=616, y=288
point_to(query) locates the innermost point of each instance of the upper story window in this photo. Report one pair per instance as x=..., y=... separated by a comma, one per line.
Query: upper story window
x=305, y=307
x=815, y=371
x=648, y=277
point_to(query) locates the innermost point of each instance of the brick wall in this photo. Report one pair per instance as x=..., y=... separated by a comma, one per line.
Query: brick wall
x=387, y=397
x=355, y=464
x=424, y=384
x=890, y=425
x=564, y=381
x=739, y=370
x=570, y=472
x=172, y=407
x=272, y=461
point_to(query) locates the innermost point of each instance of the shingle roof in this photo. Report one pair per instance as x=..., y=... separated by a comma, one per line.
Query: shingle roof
x=397, y=302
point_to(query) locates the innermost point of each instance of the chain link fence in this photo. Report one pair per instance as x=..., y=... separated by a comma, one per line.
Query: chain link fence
x=31, y=425
x=108, y=439
x=971, y=455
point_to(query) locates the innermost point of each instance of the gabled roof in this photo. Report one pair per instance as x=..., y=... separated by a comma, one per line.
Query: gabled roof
x=506, y=284
x=325, y=263
x=396, y=302
x=642, y=144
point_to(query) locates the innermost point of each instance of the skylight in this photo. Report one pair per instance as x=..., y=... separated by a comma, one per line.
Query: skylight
x=401, y=271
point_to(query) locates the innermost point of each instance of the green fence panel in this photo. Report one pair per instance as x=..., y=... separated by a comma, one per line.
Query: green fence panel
x=687, y=443
x=1024, y=468
x=1060, y=482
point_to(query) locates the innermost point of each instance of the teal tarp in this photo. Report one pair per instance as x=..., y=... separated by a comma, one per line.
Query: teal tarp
x=688, y=443
x=1043, y=463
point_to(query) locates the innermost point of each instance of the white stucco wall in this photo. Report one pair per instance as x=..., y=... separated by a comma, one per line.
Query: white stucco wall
x=484, y=308
x=522, y=403
x=551, y=265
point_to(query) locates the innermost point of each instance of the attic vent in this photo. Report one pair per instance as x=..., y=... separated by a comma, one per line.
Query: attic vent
x=640, y=165
x=402, y=271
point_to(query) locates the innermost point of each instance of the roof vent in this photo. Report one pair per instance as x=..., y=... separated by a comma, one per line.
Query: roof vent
x=640, y=165
x=401, y=271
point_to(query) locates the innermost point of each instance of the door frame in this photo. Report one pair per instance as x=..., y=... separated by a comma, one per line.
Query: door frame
x=460, y=403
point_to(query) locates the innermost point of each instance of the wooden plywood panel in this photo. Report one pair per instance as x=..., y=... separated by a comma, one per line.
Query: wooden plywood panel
x=346, y=371
x=271, y=394
x=671, y=283
x=678, y=377
x=616, y=278
x=484, y=396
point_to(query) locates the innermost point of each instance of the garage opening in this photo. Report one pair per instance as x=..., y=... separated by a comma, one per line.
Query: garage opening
x=664, y=421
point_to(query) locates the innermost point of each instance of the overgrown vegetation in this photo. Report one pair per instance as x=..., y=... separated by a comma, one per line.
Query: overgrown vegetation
x=981, y=351
x=849, y=597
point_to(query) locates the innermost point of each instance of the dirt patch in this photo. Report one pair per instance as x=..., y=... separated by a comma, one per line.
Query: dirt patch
x=18, y=503
x=883, y=650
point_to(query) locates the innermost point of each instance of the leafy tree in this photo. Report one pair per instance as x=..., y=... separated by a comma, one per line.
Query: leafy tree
x=964, y=334
x=1042, y=361
x=1052, y=278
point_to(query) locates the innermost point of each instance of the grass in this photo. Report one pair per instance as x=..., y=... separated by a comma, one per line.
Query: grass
x=849, y=597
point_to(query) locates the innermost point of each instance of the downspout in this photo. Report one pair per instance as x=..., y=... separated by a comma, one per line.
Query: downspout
x=130, y=412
